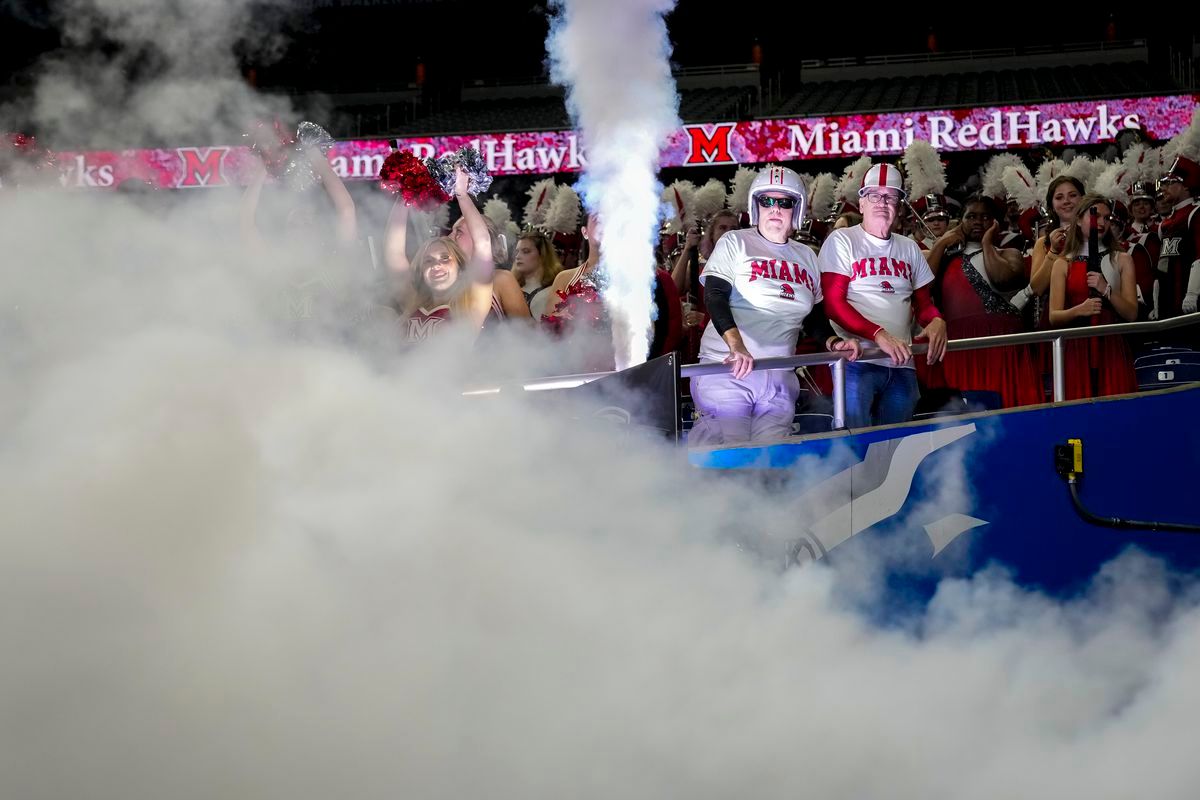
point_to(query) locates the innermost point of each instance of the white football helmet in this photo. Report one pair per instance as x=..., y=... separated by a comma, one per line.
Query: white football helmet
x=784, y=181
x=883, y=176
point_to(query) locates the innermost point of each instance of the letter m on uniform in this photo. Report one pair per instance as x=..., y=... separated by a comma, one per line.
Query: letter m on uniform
x=202, y=166
x=709, y=147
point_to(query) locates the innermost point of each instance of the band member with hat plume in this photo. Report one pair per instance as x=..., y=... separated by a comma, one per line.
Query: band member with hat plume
x=1179, y=257
x=926, y=178
x=973, y=277
x=1141, y=170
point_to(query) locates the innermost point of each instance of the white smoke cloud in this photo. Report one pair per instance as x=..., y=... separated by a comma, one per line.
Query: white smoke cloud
x=613, y=56
x=249, y=555
x=166, y=71
x=241, y=564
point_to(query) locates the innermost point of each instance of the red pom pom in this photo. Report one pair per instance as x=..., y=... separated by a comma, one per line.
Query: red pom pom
x=580, y=304
x=406, y=175
x=22, y=152
x=22, y=142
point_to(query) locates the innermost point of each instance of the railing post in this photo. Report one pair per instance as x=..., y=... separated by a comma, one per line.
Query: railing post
x=1060, y=384
x=839, y=393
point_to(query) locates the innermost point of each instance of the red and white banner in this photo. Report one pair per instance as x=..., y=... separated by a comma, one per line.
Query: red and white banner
x=750, y=142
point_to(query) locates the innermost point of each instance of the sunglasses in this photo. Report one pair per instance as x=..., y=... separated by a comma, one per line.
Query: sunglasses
x=770, y=202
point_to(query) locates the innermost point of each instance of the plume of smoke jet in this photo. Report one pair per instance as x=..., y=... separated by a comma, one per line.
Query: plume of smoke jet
x=614, y=60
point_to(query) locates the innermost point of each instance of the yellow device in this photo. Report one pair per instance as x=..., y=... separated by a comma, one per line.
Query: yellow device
x=1076, y=446
x=1068, y=459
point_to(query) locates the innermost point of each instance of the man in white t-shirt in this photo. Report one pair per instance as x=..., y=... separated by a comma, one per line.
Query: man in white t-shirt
x=873, y=281
x=760, y=288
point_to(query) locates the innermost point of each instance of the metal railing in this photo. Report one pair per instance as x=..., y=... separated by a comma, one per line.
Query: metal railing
x=716, y=69
x=837, y=361
x=541, y=81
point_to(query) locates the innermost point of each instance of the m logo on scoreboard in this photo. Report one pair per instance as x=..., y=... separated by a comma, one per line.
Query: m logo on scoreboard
x=709, y=147
x=202, y=166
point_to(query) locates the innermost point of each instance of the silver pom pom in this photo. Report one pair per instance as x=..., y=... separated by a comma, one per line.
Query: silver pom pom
x=299, y=174
x=310, y=134
x=442, y=170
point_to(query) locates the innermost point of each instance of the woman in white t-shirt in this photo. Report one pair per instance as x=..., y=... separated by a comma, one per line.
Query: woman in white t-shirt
x=760, y=288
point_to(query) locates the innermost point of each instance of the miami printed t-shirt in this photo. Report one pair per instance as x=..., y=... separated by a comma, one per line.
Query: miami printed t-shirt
x=775, y=286
x=883, y=274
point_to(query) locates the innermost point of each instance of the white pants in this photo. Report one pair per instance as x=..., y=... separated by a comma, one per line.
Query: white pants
x=758, y=408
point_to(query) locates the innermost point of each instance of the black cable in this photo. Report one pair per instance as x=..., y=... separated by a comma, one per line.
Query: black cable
x=1123, y=524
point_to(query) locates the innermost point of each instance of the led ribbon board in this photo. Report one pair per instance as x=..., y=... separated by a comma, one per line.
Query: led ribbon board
x=719, y=143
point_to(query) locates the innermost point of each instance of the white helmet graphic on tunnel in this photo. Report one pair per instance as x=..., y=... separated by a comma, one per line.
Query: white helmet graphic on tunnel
x=883, y=176
x=783, y=181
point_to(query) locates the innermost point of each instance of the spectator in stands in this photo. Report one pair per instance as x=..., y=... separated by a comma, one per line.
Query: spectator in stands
x=679, y=261
x=701, y=243
x=1179, y=234
x=535, y=266
x=936, y=223
x=1141, y=209
x=504, y=285
x=443, y=283
x=577, y=310
x=760, y=287
x=972, y=275
x=1162, y=205
x=697, y=248
x=873, y=281
x=1080, y=296
x=1062, y=199
x=1143, y=249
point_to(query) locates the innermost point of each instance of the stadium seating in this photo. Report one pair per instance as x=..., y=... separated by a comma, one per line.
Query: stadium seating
x=550, y=113
x=1163, y=367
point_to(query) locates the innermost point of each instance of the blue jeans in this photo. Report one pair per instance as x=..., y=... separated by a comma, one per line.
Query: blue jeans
x=879, y=395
